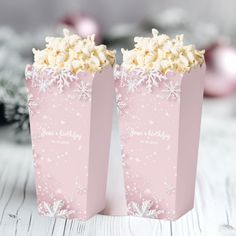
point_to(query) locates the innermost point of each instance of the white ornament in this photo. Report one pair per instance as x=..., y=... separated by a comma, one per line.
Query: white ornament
x=55, y=209
x=172, y=91
x=84, y=91
x=31, y=104
x=145, y=209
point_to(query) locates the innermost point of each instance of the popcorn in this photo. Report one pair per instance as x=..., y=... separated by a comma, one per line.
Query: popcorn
x=73, y=53
x=163, y=54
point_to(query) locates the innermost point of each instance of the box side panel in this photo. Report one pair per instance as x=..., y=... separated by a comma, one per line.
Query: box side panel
x=101, y=121
x=189, y=130
x=115, y=192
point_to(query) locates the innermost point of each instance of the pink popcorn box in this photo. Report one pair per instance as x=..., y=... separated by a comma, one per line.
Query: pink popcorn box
x=70, y=123
x=159, y=125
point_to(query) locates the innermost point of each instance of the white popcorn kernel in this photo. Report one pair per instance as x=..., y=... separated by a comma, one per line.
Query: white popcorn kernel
x=73, y=53
x=155, y=33
x=162, y=53
x=66, y=32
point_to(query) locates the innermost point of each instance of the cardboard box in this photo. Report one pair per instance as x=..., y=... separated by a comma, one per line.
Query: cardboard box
x=70, y=123
x=159, y=126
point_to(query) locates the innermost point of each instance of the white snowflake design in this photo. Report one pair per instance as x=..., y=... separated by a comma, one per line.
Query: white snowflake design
x=132, y=85
x=43, y=84
x=145, y=209
x=84, y=91
x=121, y=105
x=61, y=77
x=120, y=73
x=81, y=190
x=31, y=104
x=137, y=77
x=55, y=209
x=170, y=190
x=172, y=90
x=30, y=74
x=150, y=78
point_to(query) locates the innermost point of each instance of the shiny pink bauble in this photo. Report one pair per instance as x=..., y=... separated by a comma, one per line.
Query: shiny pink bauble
x=221, y=70
x=84, y=25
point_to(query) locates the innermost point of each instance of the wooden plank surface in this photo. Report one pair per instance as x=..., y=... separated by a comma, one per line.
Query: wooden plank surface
x=215, y=202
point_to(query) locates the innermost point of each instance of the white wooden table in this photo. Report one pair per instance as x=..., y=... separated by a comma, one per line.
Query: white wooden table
x=215, y=202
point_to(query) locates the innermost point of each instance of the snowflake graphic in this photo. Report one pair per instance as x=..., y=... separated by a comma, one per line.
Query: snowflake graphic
x=170, y=190
x=37, y=78
x=121, y=105
x=132, y=80
x=55, y=209
x=84, y=91
x=172, y=91
x=31, y=104
x=145, y=209
x=150, y=78
x=132, y=85
x=61, y=77
x=29, y=71
x=43, y=84
x=35, y=157
x=81, y=190
x=43, y=79
x=120, y=73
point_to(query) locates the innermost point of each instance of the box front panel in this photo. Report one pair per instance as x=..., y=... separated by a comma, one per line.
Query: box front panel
x=149, y=124
x=60, y=128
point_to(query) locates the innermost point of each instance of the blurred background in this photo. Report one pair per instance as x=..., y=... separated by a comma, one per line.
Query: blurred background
x=24, y=24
